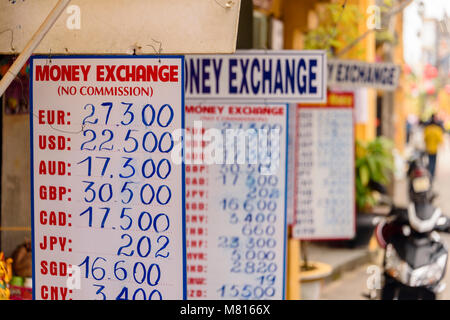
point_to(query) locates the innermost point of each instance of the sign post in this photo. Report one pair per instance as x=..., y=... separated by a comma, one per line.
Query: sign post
x=107, y=197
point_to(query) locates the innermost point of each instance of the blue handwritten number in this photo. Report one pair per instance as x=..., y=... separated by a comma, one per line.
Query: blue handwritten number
x=144, y=119
x=161, y=141
x=145, y=214
x=149, y=274
x=123, y=295
x=89, y=188
x=170, y=115
x=124, y=215
x=89, y=161
x=111, y=135
x=135, y=295
x=88, y=141
x=139, y=246
x=128, y=112
x=117, y=268
x=100, y=290
x=109, y=105
x=150, y=296
x=105, y=165
x=155, y=142
x=144, y=272
x=169, y=168
x=158, y=197
x=90, y=115
x=144, y=165
x=124, y=188
x=130, y=240
x=165, y=243
x=100, y=192
x=155, y=222
x=88, y=210
x=105, y=216
x=142, y=194
x=125, y=165
x=127, y=137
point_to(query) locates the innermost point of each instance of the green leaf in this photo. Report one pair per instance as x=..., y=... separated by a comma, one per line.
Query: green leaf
x=388, y=3
x=371, y=162
x=364, y=175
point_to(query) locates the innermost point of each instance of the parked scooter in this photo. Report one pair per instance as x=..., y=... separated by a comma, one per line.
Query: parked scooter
x=415, y=258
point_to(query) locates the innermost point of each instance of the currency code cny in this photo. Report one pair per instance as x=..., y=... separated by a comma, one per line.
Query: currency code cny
x=236, y=204
x=108, y=198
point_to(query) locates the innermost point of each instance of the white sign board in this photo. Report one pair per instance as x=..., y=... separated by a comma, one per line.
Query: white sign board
x=236, y=200
x=107, y=200
x=123, y=26
x=361, y=105
x=324, y=189
x=276, y=76
x=356, y=74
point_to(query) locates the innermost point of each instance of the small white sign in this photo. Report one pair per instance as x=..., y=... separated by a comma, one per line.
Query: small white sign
x=123, y=26
x=356, y=74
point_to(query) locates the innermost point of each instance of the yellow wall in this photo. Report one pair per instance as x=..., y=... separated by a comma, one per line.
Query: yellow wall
x=400, y=110
x=297, y=15
x=294, y=15
x=295, y=18
x=365, y=50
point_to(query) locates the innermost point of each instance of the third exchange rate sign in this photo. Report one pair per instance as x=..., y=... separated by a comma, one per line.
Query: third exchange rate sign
x=108, y=201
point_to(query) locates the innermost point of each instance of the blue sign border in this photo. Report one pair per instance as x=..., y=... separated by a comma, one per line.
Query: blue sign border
x=285, y=202
x=286, y=176
x=181, y=57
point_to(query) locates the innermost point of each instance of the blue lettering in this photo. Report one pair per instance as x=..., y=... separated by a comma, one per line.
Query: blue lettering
x=244, y=67
x=301, y=80
x=217, y=69
x=267, y=76
x=205, y=76
x=330, y=69
x=391, y=76
x=194, y=77
x=312, y=76
x=278, y=78
x=346, y=72
x=255, y=65
x=385, y=70
x=377, y=75
x=290, y=76
x=339, y=73
x=232, y=88
x=362, y=71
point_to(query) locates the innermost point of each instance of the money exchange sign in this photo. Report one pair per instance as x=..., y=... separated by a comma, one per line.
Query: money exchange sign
x=108, y=199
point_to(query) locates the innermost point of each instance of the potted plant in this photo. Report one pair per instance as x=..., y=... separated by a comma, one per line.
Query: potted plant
x=312, y=274
x=374, y=167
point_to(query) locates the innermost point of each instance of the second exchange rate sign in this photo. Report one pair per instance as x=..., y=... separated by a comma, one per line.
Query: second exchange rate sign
x=236, y=200
x=108, y=200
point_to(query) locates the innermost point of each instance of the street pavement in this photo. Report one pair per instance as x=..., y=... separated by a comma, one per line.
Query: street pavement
x=353, y=284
